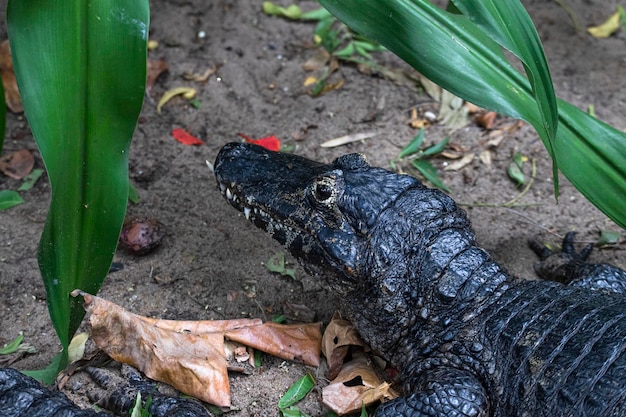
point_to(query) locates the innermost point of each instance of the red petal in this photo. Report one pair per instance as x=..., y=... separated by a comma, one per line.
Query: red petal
x=185, y=138
x=271, y=142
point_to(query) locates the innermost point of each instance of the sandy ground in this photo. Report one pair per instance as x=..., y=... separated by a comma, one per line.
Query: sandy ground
x=211, y=264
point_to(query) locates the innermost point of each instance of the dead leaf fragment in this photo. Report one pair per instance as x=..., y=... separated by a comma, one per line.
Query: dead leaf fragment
x=607, y=28
x=486, y=119
x=186, y=92
x=294, y=342
x=156, y=67
x=339, y=335
x=11, y=93
x=461, y=163
x=342, y=140
x=356, y=384
x=191, y=355
x=18, y=164
x=202, y=77
x=193, y=364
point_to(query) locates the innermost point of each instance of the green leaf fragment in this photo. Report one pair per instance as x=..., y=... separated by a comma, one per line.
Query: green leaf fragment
x=290, y=12
x=9, y=198
x=133, y=196
x=13, y=345
x=436, y=148
x=278, y=264
x=363, y=411
x=297, y=391
x=413, y=146
x=608, y=237
x=430, y=173
x=30, y=180
x=258, y=358
x=514, y=169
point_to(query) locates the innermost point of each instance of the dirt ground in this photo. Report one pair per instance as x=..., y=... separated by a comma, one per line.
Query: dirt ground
x=211, y=264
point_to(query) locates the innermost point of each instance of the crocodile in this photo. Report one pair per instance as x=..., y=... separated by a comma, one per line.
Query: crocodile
x=468, y=338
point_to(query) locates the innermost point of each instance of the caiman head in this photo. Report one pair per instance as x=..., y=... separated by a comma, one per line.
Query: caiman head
x=322, y=213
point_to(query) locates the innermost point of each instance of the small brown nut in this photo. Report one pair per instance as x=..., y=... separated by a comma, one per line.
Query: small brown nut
x=141, y=235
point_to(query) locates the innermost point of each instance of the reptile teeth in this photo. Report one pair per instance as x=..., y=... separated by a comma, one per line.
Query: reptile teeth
x=229, y=195
x=246, y=212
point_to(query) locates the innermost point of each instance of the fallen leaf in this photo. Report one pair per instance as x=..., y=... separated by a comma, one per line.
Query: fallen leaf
x=452, y=112
x=294, y=342
x=316, y=62
x=9, y=198
x=461, y=163
x=339, y=335
x=192, y=363
x=11, y=93
x=297, y=391
x=514, y=169
x=203, y=77
x=186, y=92
x=190, y=355
x=156, y=67
x=270, y=142
x=486, y=119
x=417, y=122
x=185, y=138
x=342, y=140
x=607, y=28
x=485, y=157
x=356, y=384
x=30, y=180
x=76, y=349
x=17, y=164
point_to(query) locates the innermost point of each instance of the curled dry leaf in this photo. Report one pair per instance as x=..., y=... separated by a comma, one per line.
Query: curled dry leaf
x=461, y=163
x=294, y=342
x=11, y=94
x=17, y=164
x=343, y=140
x=486, y=119
x=156, y=67
x=339, y=335
x=356, y=384
x=190, y=355
x=186, y=92
x=192, y=363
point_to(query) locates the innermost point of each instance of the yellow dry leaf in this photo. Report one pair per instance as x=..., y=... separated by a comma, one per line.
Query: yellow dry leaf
x=76, y=349
x=186, y=92
x=607, y=28
x=461, y=163
x=309, y=81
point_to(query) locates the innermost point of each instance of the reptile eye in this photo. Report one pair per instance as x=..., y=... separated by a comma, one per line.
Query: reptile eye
x=323, y=189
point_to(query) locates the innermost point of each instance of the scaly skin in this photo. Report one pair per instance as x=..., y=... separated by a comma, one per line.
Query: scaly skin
x=469, y=339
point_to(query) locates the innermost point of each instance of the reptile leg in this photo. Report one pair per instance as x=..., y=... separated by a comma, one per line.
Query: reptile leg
x=443, y=392
x=571, y=267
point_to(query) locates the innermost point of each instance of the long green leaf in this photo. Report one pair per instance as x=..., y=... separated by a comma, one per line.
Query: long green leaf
x=455, y=53
x=80, y=67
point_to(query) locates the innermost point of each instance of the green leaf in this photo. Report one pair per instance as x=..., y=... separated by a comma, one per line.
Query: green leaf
x=297, y=391
x=133, y=196
x=31, y=179
x=514, y=169
x=462, y=58
x=13, y=345
x=290, y=12
x=436, y=148
x=48, y=375
x=80, y=68
x=278, y=264
x=9, y=198
x=363, y=410
x=430, y=173
x=413, y=146
x=608, y=237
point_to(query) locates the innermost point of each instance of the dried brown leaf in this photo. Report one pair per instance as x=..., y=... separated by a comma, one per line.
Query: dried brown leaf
x=317, y=61
x=294, y=342
x=17, y=164
x=461, y=163
x=193, y=364
x=345, y=398
x=485, y=157
x=486, y=119
x=156, y=67
x=203, y=77
x=339, y=335
x=11, y=93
